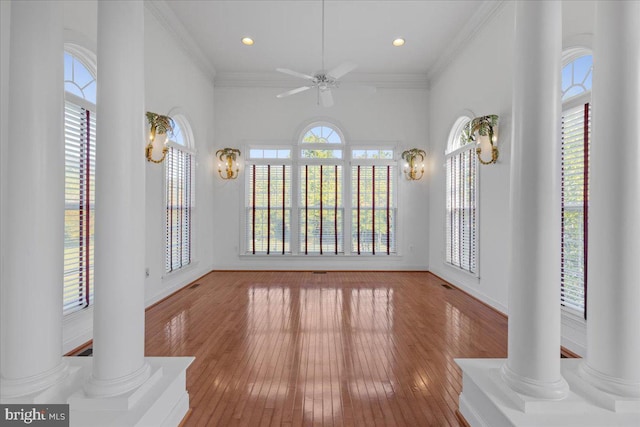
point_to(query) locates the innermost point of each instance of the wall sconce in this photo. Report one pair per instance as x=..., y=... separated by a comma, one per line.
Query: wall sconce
x=228, y=156
x=412, y=157
x=159, y=129
x=483, y=132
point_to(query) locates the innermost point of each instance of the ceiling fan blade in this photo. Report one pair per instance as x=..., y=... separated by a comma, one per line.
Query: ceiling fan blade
x=341, y=70
x=294, y=73
x=293, y=91
x=326, y=98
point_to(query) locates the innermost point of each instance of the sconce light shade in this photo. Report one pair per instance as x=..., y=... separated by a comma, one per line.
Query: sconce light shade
x=228, y=157
x=484, y=134
x=159, y=129
x=414, y=166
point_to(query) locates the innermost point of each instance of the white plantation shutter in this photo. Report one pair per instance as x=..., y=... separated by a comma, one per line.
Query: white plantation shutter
x=80, y=157
x=268, y=209
x=575, y=202
x=179, y=171
x=461, y=210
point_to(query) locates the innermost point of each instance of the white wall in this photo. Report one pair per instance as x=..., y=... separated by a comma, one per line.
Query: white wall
x=480, y=79
x=173, y=84
x=254, y=115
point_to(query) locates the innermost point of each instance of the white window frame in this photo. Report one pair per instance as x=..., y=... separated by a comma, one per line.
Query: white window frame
x=454, y=149
x=302, y=161
x=569, y=56
x=393, y=162
x=245, y=245
x=189, y=149
x=297, y=161
x=88, y=60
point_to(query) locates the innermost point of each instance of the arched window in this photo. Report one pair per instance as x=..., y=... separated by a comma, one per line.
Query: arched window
x=80, y=160
x=461, y=193
x=576, y=132
x=179, y=176
x=320, y=201
x=335, y=206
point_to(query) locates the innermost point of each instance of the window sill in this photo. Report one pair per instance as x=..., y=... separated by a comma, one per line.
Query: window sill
x=462, y=271
x=170, y=275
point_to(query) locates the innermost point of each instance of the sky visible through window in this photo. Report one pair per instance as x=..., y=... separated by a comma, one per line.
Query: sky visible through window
x=78, y=80
x=576, y=77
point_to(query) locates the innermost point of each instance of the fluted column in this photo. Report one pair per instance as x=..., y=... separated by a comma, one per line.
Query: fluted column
x=118, y=357
x=33, y=241
x=613, y=341
x=533, y=364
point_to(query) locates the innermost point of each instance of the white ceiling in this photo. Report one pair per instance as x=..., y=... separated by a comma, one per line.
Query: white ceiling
x=287, y=34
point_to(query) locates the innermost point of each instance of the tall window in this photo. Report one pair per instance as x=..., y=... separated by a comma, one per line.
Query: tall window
x=80, y=160
x=373, y=216
x=302, y=200
x=461, y=193
x=179, y=173
x=268, y=204
x=320, y=201
x=576, y=130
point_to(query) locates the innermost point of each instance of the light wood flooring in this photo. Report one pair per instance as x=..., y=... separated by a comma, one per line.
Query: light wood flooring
x=334, y=349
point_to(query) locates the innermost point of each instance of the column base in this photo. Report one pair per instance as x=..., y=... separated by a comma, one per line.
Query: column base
x=608, y=384
x=161, y=401
x=536, y=389
x=32, y=386
x=96, y=387
x=487, y=400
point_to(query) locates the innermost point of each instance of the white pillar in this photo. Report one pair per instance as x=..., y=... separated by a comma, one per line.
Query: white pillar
x=533, y=364
x=33, y=241
x=118, y=355
x=613, y=340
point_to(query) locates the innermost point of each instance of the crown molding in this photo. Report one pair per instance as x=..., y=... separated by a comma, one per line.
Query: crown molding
x=485, y=12
x=172, y=24
x=282, y=81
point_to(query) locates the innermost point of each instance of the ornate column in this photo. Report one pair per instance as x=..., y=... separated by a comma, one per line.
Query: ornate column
x=533, y=364
x=33, y=239
x=613, y=341
x=118, y=358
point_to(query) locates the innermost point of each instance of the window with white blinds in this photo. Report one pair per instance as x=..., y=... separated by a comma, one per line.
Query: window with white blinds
x=179, y=172
x=268, y=208
x=303, y=200
x=576, y=124
x=321, y=209
x=80, y=160
x=461, y=203
x=576, y=132
x=373, y=216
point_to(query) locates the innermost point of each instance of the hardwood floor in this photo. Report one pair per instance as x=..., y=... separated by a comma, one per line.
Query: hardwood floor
x=334, y=349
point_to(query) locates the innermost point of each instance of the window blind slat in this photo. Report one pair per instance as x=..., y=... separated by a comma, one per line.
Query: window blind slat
x=179, y=195
x=574, y=206
x=79, y=133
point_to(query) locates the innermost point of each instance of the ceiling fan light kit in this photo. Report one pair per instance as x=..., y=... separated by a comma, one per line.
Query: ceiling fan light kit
x=322, y=81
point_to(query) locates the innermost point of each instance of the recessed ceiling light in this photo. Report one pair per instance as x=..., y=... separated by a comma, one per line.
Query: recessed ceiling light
x=247, y=41
x=398, y=42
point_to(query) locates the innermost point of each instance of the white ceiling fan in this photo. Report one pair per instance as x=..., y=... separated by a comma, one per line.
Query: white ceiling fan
x=322, y=81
